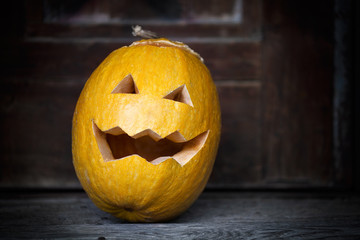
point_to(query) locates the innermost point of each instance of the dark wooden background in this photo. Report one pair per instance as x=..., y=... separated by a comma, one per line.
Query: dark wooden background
x=283, y=69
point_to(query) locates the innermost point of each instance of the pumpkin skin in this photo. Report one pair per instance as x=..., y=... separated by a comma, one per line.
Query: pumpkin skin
x=133, y=188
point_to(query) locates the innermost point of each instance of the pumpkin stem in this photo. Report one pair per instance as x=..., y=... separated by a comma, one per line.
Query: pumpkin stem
x=139, y=32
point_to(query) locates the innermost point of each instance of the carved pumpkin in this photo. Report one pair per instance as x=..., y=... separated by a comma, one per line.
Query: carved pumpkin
x=146, y=131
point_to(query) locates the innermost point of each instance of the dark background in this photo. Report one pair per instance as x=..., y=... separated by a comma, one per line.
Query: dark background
x=286, y=72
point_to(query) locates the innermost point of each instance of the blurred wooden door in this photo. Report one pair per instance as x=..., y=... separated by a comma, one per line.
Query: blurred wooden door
x=272, y=62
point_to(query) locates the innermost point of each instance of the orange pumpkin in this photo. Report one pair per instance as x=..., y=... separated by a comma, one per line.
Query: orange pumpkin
x=146, y=130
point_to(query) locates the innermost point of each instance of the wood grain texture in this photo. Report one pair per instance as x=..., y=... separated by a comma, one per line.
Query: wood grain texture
x=240, y=138
x=35, y=121
x=215, y=215
x=297, y=92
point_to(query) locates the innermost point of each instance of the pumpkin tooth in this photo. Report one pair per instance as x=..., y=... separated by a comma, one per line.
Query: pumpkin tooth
x=147, y=132
x=115, y=131
x=176, y=137
x=160, y=160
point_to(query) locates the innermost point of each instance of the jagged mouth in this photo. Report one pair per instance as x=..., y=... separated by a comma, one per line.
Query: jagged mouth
x=116, y=144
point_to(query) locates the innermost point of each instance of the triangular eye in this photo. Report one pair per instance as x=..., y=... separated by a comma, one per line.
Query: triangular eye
x=181, y=94
x=127, y=85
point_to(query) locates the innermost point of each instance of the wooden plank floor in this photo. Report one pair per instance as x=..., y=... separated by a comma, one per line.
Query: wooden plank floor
x=215, y=215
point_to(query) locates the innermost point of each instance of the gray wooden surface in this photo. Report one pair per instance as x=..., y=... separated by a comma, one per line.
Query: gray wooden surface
x=215, y=215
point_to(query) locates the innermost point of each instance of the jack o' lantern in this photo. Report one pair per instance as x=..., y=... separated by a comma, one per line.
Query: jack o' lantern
x=146, y=131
